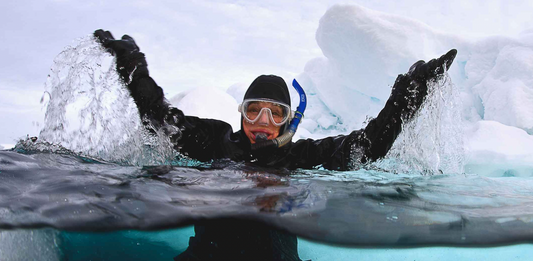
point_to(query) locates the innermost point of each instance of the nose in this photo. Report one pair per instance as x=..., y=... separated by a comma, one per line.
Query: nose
x=263, y=118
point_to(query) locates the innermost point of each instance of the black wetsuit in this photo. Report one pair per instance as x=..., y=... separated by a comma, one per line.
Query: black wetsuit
x=208, y=139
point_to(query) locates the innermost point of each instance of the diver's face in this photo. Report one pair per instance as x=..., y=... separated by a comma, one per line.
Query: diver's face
x=262, y=125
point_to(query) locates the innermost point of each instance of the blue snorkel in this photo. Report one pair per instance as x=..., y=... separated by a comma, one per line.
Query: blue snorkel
x=293, y=125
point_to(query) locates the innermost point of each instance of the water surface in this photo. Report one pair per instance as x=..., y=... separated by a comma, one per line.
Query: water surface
x=355, y=208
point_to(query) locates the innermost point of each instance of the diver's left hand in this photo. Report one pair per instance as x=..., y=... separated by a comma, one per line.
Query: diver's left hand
x=422, y=71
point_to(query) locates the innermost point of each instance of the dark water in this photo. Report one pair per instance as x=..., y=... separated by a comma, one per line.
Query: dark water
x=78, y=196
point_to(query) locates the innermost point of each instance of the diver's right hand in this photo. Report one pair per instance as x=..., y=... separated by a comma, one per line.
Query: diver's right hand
x=120, y=48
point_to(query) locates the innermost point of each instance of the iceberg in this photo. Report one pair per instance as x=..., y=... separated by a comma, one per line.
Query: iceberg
x=497, y=150
x=364, y=52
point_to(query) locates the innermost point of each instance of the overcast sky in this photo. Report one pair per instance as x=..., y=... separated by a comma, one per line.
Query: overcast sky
x=203, y=43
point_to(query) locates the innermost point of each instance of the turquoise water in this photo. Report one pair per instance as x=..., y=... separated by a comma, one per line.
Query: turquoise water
x=164, y=245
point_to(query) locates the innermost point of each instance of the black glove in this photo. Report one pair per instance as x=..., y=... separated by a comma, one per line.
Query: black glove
x=129, y=57
x=410, y=90
x=133, y=69
x=422, y=71
x=120, y=48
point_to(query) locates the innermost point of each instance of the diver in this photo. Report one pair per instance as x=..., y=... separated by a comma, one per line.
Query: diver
x=266, y=117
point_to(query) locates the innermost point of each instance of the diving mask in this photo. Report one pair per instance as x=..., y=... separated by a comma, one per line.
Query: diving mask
x=253, y=109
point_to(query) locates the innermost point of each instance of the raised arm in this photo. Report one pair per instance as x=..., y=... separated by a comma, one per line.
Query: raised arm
x=198, y=138
x=374, y=141
x=133, y=70
x=408, y=94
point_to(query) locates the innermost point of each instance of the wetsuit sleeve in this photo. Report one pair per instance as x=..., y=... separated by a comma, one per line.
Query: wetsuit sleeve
x=375, y=140
x=194, y=137
x=343, y=152
x=333, y=153
x=148, y=96
x=406, y=98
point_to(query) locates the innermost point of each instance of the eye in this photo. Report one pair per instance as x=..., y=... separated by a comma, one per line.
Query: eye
x=253, y=108
x=277, y=111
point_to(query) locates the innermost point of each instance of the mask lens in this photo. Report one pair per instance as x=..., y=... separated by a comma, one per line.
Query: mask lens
x=252, y=110
x=278, y=114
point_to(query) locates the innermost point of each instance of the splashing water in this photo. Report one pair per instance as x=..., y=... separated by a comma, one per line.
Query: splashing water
x=89, y=110
x=432, y=142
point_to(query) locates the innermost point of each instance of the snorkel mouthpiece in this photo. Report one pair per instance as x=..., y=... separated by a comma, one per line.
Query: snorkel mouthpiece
x=287, y=136
x=261, y=137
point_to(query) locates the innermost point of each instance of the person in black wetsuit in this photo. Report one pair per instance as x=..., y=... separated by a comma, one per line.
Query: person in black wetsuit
x=265, y=115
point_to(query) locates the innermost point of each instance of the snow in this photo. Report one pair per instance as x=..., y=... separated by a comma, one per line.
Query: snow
x=365, y=50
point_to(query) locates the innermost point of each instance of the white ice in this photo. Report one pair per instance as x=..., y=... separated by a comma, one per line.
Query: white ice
x=364, y=51
x=209, y=103
x=495, y=149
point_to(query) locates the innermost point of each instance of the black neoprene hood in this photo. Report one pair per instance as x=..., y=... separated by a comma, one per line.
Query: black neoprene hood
x=269, y=87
